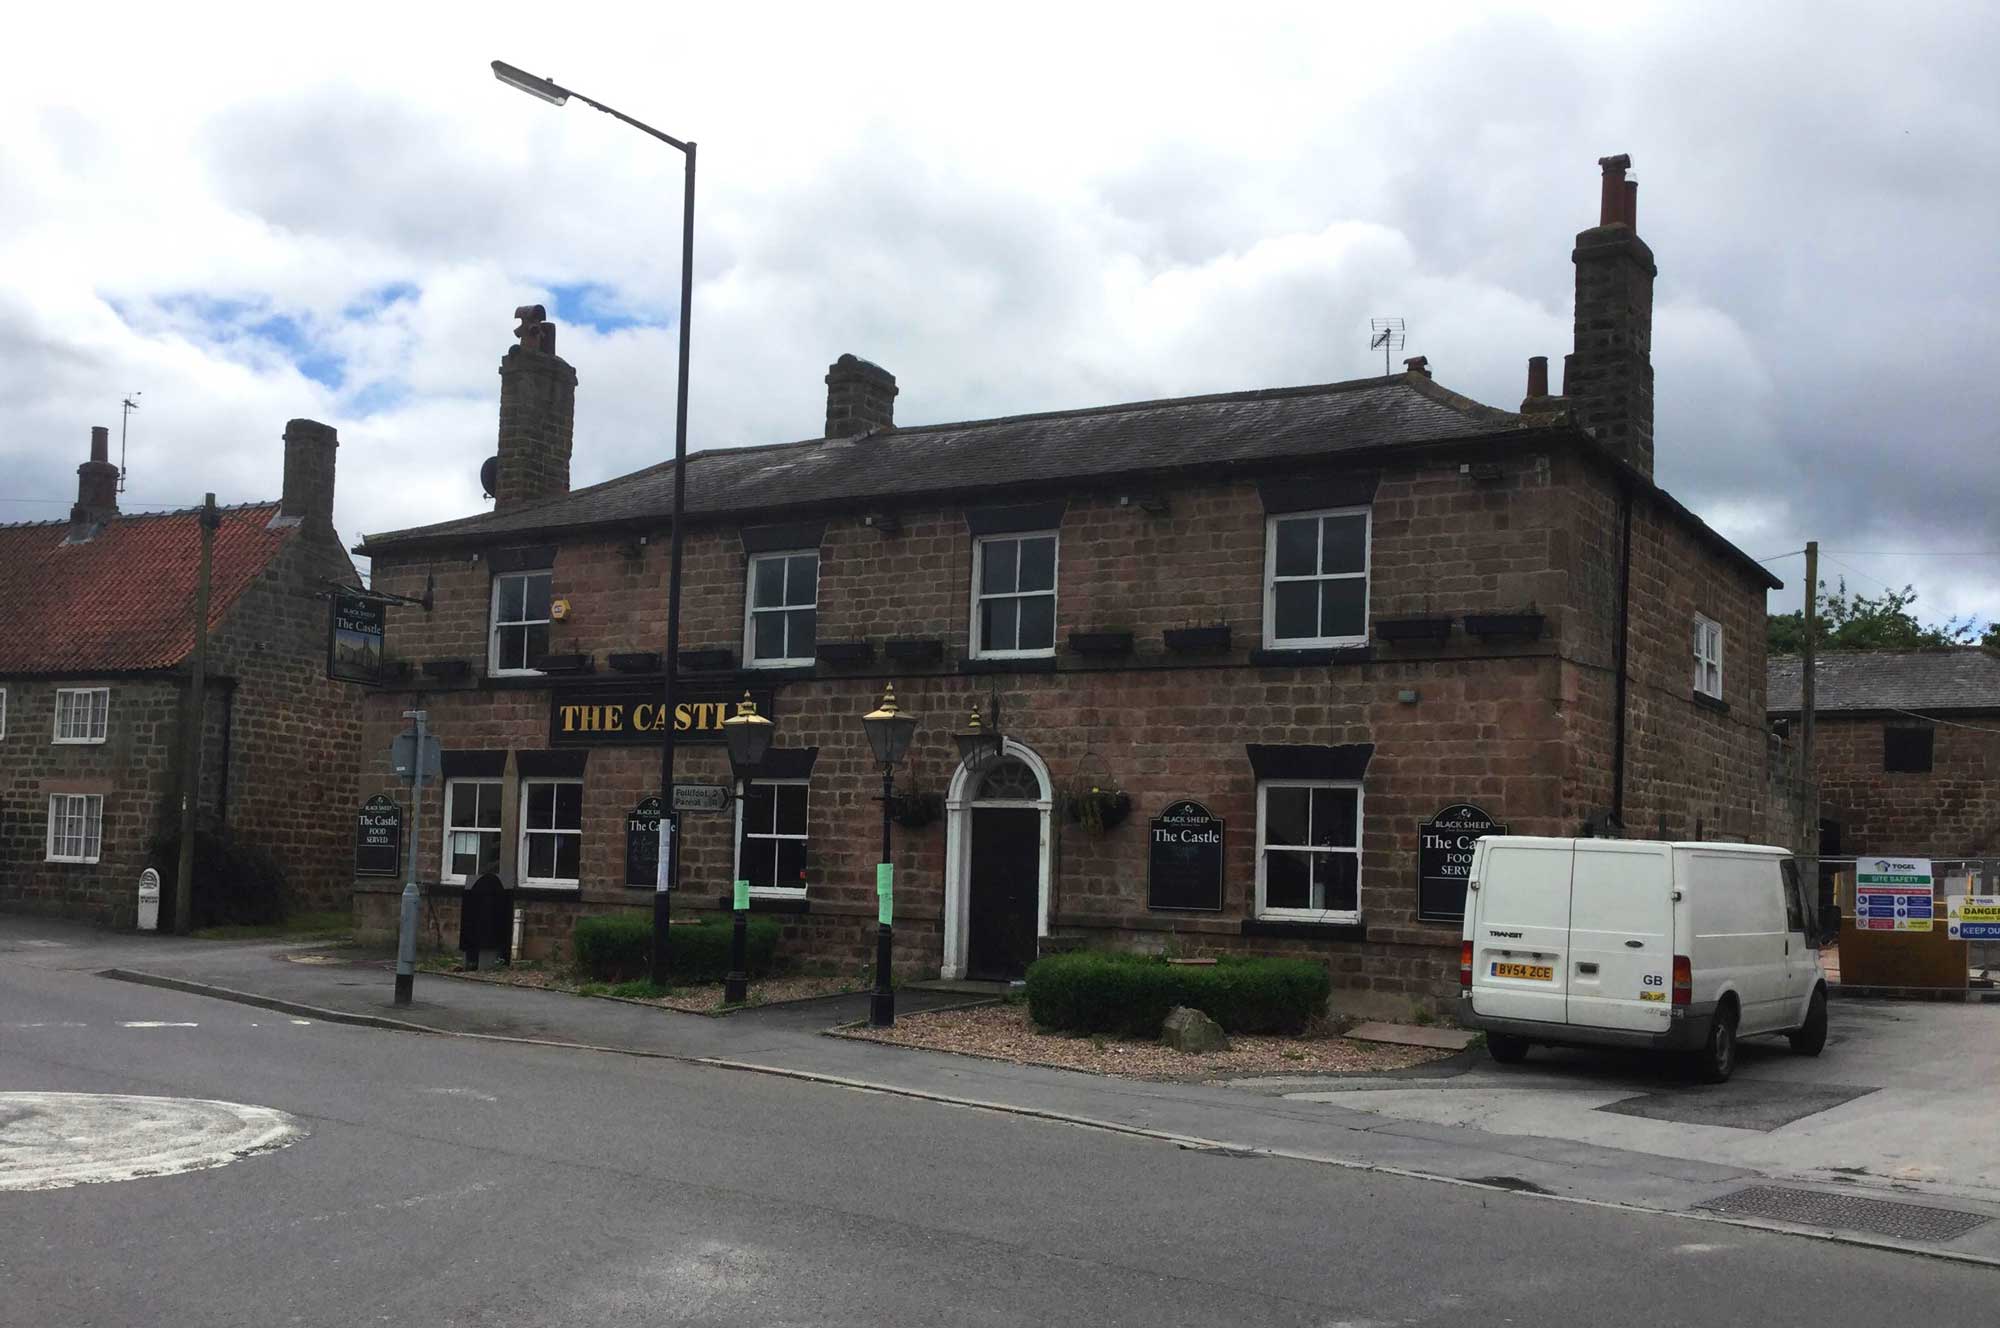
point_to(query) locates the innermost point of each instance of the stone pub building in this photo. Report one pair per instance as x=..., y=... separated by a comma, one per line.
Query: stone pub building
x=1249, y=653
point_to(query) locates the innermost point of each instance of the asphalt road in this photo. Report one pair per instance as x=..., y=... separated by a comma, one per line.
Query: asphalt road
x=452, y=1182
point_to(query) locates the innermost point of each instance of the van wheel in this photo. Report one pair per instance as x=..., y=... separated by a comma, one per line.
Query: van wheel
x=1506, y=1048
x=1810, y=1039
x=1717, y=1059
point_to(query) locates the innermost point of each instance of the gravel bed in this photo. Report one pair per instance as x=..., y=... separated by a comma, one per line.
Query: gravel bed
x=1004, y=1032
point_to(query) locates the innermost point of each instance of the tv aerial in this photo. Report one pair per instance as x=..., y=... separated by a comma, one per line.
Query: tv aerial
x=129, y=404
x=1385, y=335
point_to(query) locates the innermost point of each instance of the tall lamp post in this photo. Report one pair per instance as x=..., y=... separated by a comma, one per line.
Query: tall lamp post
x=749, y=736
x=889, y=733
x=555, y=94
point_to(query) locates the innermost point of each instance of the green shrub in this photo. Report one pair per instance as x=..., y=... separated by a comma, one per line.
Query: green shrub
x=618, y=947
x=1098, y=992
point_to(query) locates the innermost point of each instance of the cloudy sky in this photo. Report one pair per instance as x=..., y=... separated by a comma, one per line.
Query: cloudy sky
x=249, y=217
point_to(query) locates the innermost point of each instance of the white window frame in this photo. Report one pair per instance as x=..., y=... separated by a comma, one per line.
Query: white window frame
x=499, y=832
x=1707, y=633
x=493, y=623
x=1272, y=641
x=751, y=610
x=89, y=842
x=736, y=853
x=96, y=721
x=1054, y=592
x=1360, y=823
x=525, y=830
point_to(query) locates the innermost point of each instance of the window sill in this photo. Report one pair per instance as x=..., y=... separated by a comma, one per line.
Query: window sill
x=73, y=862
x=1297, y=656
x=1009, y=664
x=787, y=902
x=1299, y=929
x=568, y=890
x=76, y=742
x=1707, y=702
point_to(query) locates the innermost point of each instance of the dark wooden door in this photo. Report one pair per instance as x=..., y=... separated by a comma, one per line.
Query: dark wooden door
x=1005, y=891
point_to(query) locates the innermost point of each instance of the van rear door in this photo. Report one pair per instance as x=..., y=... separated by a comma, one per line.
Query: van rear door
x=1520, y=930
x=1621, y=921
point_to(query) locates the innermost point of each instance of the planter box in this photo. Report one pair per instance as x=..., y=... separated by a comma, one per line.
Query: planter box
x=1412, y=629
x=563, y=663
x=1484, y=625
x=844, y=652
x=916, y=649
x=396, y=668
x=1198, y=640
x=447, y=668
x=715, y=660
x=644, y=661
x=1101, y=643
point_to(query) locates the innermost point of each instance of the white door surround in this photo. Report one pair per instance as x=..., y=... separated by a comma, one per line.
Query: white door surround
x=959, y=802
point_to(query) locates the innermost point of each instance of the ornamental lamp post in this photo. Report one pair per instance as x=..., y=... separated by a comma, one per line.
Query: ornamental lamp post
x=889, y=733
x=749, y=736
x=556, y=95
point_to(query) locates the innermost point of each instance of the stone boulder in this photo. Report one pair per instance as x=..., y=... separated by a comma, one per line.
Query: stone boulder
x=1192, y=1031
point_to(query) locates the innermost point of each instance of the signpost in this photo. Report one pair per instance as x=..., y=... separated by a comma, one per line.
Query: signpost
x=1444, y=858
x=378, y=837
x=1184, y=859
x=702, y=797
x=1893, y=894
x=414, y=754
x=1972, y=917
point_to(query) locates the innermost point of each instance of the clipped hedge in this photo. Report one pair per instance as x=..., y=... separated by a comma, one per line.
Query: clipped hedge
x=1129, y=995
x=618, y=947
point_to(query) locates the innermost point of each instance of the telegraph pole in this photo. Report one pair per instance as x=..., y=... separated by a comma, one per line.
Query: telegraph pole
x=1809, y=790
x=196, y=707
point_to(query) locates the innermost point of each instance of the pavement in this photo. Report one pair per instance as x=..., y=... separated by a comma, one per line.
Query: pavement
x=1890, y=1114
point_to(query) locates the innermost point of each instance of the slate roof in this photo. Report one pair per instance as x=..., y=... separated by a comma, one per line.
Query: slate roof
x=1013, y=451
x=1242, y=431
x=123, y=601
x=1925, y=681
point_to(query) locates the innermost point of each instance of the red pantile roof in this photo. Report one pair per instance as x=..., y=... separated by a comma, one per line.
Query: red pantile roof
x=125, y=599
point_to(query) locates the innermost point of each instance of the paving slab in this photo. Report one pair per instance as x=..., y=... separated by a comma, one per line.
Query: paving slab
x=1414, y=1035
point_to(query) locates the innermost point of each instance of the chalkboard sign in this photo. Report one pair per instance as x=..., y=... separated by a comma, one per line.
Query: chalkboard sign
x=1444, y=859
x=642, y=844
x=1184, y=859
x=378, y=838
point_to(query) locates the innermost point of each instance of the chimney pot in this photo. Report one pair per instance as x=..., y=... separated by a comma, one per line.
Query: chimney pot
x=1538, y=375
x=1631, y=215
x=1419, y=364
x=860, y=397
x=1611, y=203
x=100, y=443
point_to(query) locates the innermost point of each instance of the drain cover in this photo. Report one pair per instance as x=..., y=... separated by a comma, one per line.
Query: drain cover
x=1877, y=1216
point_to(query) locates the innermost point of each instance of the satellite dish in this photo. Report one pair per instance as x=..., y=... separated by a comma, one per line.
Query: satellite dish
x=489, y=473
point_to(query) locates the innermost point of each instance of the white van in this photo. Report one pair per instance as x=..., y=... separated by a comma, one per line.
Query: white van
x=1618, y=942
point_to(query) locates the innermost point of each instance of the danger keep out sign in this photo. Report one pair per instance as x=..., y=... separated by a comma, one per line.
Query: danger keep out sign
x=1973, y=918
x=1893, y=894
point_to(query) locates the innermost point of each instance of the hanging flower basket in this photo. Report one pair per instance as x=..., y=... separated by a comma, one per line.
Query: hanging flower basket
x=1098, y=807
x=914, y=811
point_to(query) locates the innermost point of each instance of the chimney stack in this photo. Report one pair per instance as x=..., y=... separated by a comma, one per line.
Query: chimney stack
x=860, y=398
x=1608, y=380
x=96, y=489
x=1538, y=401
x=1418, y=364
x=537, y=415
x=308, y=497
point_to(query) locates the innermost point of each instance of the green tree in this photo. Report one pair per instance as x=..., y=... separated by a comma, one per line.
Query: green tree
x=1849, y=620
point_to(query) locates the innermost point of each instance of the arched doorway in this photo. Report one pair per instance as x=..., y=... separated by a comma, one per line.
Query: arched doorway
x=998, y=847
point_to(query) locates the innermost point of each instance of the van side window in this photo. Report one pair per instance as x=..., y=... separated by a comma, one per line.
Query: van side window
x=1795, y=913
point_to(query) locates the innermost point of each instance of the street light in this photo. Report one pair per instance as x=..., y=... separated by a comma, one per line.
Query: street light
x=889, y=733
x=556, y=95
x=749, y=736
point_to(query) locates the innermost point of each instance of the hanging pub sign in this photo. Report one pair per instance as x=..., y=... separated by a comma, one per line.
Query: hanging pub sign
x=354, y=633
x=642, y=844
x=1444, y=859
x=1184, y=859
x=609, y=714
x=378, y=837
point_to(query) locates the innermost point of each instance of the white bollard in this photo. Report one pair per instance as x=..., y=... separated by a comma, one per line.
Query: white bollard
x=149, y=900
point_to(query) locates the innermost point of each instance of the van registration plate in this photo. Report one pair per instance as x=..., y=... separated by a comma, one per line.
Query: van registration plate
x=1532, y=972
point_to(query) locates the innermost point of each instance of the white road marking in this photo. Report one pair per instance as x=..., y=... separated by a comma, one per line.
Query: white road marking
x=154, y=1023
x=302, y=1021
x=50, y=1141
x=461, y=1092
